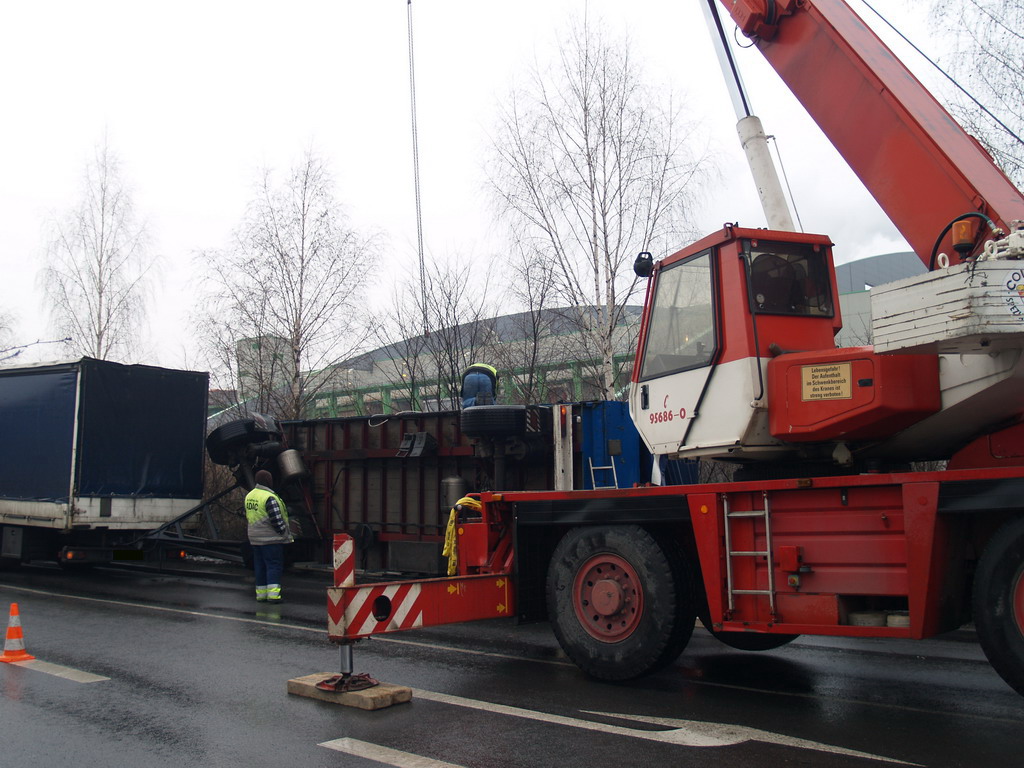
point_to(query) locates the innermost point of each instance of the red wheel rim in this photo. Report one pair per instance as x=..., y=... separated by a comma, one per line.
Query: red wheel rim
x=1017, y=599
x=608, y=597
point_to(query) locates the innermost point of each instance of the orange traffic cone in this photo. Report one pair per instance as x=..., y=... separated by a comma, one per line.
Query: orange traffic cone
x=14, y=645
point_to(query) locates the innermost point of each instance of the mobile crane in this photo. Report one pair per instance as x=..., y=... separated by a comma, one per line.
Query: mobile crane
x=830, y=525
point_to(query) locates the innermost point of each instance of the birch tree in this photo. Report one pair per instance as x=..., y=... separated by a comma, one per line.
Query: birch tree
x=459, y=334
x=6, y=335
x=594, y=166
x=6, y=326
x=987, y=58
x=404, y=344
x=527, y=341
x=434, y=331
x=96, y=265
x=284, y=302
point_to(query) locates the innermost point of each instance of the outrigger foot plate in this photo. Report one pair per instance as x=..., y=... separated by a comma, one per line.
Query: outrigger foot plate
x=347, y=683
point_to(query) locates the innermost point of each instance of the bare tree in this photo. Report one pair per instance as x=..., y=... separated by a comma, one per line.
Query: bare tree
x=460, y=333
x=284, y=300
x=6, y=327
x=453, y=305
x=526, y=344
x=404, y=344
x=988, y=59
x=97, y=261
x=595, y=166
x=6, y=336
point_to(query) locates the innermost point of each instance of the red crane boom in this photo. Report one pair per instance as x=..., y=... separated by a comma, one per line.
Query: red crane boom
x=921, y=167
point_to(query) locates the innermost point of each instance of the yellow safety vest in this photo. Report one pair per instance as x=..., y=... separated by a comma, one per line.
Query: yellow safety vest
x=260, y=529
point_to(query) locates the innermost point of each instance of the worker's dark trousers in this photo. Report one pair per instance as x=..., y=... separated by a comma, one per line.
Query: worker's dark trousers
x=268, y=563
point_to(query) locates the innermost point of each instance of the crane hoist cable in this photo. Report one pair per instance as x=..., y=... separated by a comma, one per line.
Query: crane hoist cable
x=416, y=171
x=778, y=202
x=785, y=180
x=945, y=74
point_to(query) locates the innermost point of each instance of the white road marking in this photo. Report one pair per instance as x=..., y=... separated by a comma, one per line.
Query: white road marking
x=491, y=654
x=162, y=609
x=283, y=625
x=734, y=734
x=57, y=670
x=688, y=733
x=384, y=754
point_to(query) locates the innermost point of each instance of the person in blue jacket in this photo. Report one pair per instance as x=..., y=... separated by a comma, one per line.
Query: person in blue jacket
x=479, y=385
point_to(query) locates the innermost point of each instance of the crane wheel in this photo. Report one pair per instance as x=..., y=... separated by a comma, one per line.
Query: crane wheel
x=999, y=602
x=620, y=602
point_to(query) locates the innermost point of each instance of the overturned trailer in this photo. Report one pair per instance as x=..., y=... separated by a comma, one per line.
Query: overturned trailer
x=390, y=481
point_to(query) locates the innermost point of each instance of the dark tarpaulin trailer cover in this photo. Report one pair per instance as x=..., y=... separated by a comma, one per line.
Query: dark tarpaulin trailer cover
x=140, y=431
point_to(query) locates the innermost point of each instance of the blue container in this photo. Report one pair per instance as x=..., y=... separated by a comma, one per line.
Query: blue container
x=609, y=439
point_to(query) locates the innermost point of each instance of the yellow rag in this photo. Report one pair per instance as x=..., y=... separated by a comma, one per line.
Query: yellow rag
x=449, y=549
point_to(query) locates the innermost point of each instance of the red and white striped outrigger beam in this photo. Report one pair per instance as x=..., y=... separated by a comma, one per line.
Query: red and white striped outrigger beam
x=354, y=612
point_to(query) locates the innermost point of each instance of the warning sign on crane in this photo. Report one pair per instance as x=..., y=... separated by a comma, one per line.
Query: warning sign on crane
x=826, y=382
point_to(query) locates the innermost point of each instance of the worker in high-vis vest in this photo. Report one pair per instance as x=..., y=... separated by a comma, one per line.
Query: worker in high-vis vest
x=268, y=533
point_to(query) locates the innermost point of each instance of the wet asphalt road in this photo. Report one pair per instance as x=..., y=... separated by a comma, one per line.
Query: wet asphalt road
x=197, y=672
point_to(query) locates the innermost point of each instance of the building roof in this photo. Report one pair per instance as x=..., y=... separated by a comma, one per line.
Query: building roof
x=506, y=328
x=863, y=274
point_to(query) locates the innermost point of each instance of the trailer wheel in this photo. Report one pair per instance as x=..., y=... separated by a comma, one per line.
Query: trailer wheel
x=494, y=421
x=222, y=442
x=620, y=603
x=753, y=641
x=999, y=603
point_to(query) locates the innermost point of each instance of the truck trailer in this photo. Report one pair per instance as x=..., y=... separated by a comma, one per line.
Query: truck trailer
x=95, y=454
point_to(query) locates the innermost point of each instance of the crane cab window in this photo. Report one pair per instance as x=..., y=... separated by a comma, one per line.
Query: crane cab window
x=681, y=323
x=789, y=280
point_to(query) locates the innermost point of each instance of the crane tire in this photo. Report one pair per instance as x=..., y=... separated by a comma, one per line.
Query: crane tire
x=753, y=641
x=494, y=421
x=620, y=600
x=999, y=602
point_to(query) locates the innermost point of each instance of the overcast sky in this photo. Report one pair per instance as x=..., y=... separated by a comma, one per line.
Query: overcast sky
x=196, y=97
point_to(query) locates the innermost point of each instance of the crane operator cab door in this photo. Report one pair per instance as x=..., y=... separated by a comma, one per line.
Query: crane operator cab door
x=715, y=314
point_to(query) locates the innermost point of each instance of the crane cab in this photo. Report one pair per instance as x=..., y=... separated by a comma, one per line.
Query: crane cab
x=737, y=358
x=715, y=313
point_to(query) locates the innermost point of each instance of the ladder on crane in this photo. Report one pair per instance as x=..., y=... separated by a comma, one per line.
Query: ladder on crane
x=730, y=554
x=609, y=468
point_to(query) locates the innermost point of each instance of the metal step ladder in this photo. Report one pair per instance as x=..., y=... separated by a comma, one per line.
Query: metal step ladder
x=609, y=468
x=764, y=514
